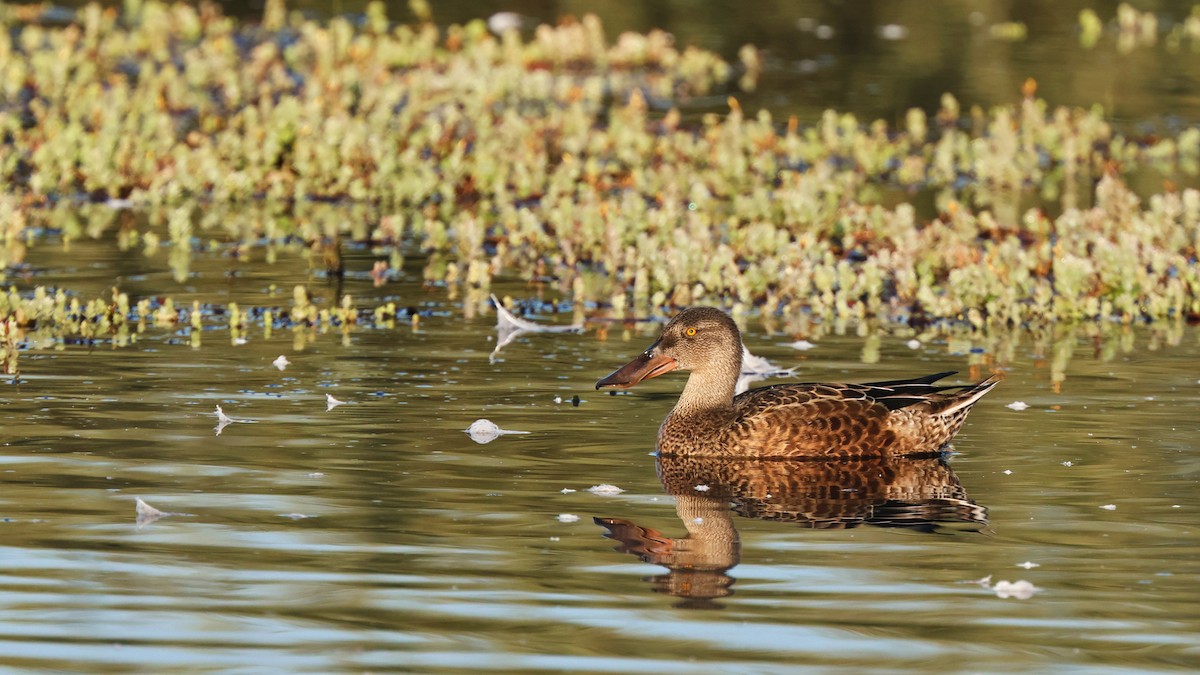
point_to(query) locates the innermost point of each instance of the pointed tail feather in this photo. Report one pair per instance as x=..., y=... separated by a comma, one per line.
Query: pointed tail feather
x=927, y=379
x=963, y=400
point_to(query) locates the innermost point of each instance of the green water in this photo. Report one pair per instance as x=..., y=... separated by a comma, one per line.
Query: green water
x=379, y=536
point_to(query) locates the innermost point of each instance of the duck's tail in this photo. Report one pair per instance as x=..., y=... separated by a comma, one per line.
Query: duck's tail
x=948, y=410
x=960, y=402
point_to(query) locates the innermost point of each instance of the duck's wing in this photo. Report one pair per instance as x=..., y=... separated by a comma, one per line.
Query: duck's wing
x=789, y=420
x=897, y=394
x=811, y=420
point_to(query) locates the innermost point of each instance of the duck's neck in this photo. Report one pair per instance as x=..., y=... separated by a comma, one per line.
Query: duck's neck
x=709, y=389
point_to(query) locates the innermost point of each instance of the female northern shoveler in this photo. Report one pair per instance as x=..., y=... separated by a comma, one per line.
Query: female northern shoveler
x=877, y=419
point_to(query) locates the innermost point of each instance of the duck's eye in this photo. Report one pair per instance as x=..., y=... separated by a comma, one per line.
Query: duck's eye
x=690, y=332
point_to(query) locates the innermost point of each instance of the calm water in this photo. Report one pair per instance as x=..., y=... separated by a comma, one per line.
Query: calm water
x=378, y=535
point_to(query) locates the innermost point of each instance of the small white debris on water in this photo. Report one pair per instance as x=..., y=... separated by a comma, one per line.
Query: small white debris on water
x=703, y=488
x=568, y=518
x=913, y=344
x=802, y=345
x=316, y=474
x=1007, y=472
x=144, y=510
x=757, y=365
x=1028, y=565
x=295, y=516
x=331, y=402
x=1109, y=507
x=605, y=489
x=238, y=342
x=147, y=514
x=223, y=421
x=755, y=368
x=558, y=399
x=281, y=362
x=510, y=327
x=1068, y=463
x=485, y=431
x=567, y=491
x=1021, y=589
x=1017, y=405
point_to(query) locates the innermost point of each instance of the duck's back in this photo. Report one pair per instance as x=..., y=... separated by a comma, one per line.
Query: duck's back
x=882, y=419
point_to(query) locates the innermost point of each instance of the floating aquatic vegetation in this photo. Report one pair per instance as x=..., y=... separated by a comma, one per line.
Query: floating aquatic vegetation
x=555, y=156
x=1090, y=28
x=1139, y=29
x=484, y=431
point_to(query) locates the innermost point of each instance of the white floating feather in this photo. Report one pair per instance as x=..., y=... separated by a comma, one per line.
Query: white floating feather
x=509, y=327
x=485, y=431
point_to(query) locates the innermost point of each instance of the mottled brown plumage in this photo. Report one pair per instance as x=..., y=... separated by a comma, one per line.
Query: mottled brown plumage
x=880, y=419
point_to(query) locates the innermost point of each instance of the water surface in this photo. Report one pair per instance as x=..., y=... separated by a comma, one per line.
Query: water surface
x=378, y=535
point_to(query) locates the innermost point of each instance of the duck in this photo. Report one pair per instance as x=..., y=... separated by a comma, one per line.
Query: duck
x=896, y=418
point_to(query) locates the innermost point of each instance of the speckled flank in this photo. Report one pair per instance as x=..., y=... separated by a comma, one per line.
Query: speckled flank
x=881, y=419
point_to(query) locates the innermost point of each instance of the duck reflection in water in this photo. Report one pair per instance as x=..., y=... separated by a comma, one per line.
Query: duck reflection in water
x=915, y=493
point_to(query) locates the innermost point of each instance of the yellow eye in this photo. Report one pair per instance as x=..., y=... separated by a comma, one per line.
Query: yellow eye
x=690, y=332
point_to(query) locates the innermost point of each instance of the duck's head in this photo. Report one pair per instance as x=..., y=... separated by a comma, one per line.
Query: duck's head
x=700, y=339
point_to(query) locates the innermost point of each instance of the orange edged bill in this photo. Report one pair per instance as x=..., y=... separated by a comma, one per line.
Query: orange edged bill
x=647, y=365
